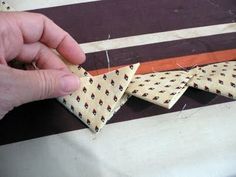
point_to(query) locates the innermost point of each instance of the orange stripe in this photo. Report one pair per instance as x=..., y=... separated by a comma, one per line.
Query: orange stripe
x=178, y=62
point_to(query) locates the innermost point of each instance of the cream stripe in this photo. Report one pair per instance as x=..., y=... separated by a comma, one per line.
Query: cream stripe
x=38, y=4
x=154, y=38
x=195, y=142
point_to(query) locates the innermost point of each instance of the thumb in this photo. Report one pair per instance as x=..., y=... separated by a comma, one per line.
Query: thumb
x=25, y=86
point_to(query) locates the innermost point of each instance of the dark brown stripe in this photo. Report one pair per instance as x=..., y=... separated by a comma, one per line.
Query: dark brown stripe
x=50, y=117
x=96, y=20
x=160, y=51
x=176, y=63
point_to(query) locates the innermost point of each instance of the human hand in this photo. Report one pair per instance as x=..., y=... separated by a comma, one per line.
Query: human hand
x=30, y=37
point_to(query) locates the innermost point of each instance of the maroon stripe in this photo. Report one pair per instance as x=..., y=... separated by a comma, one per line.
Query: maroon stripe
x=49, y=117
x=160, y=51
x=96, y=20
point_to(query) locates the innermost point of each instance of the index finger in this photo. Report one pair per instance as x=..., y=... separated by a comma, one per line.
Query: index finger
x=37, y=27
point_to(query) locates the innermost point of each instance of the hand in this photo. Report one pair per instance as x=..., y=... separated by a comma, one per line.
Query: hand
x=30, y=37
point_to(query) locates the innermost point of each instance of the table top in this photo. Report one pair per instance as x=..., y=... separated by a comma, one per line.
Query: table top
x=194, y=138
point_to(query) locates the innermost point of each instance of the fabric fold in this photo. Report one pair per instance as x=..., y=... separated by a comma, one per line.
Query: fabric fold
x=98, y=97
x=161, y=88
x=218, y=78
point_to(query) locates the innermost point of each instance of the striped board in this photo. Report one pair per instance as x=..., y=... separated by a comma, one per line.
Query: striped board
x=194, y=138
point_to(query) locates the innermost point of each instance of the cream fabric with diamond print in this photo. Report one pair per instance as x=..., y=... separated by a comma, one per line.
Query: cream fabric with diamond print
x=161, y=88
x=4, y=6
x=99, y=97
x=219, y=78
x=80, y=72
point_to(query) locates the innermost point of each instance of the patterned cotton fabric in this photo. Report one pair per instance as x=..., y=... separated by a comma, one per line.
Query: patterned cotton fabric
x=80, y=72
x=4, y=6
x=99, y=97
x=218, y=78
x=161, y=88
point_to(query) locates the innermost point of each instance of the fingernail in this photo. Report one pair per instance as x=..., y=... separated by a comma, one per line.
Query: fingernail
x=69, y=83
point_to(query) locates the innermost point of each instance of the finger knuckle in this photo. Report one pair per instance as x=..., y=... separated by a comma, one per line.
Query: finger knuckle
x=46, y=83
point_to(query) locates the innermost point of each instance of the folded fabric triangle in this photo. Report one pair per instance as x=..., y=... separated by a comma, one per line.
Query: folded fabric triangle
x=98, y=97
x=218, y=78
x=80, y=72
x=161, y=88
